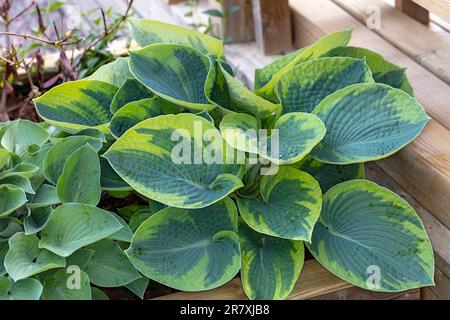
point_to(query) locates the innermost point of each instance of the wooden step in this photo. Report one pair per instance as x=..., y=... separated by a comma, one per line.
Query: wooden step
x=423, y=167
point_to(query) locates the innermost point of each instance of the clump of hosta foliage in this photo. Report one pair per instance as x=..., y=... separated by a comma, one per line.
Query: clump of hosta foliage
x=332, y=107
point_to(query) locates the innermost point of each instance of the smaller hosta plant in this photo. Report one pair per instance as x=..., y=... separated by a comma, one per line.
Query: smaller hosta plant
x=234, y=180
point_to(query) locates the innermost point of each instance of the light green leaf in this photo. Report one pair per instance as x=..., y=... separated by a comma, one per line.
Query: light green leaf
x=176, y=73
x=80, y=179
x=18, y=181
x=56, y=286
x=305, y=85
x=37, y=218
x=241, y=131
x=72, y=226
x=45, y=196
x=270, y=266
x=139, y=217
x=11, y=199
x=25, y=259
x=146, y=32
x=131, y=90
x=190, y=250
x=4, y=157
x=367, y=122
x=3, y=250
x=372, y=238
x=115, y=73
x=146, y=159
x=289, y=206
x=26, y=289
x=21, y=135
x=77, y=105
x=26, y=170
x=98, y=294
x=138, y=286
x=109, y=266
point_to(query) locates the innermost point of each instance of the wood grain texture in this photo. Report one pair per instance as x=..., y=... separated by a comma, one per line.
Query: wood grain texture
x=440, y=8
x=442, y=288
x=272, y=26
x=413, y=10
x=428, y=294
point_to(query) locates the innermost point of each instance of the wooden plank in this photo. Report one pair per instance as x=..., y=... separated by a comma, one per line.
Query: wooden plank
x=272, y=26
x=420, y=43
x=423, y=167
x=412, y=9
x=428, y=294
x=439, y=7
x=442, y=288
x=355, y=293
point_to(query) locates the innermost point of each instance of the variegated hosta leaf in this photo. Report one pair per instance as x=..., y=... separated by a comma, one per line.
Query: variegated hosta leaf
x=37, y=218
x=162, y=158
x=25, y=258
x=382, y=70
x=67, y=284
x=270, y=266
x=367, y=122
x=289, y=206
x=146, y=31
x=18, y=181
x=45, y=196
x=115, y=73
x=80, y=179
x=59, y=153
x=134, y=112
x=11, y=199
x=72, y=226
x=190, y=250
x=110, y=180
x=329, y=175
x=241, y=131
x=77, y=105
x=176, y=73
x=227, y=92
x=109, y=266
x=305, y=85
x=26, y=289
x=21, y=135
x=131, y=90
x=317, y=49
x=372, y=238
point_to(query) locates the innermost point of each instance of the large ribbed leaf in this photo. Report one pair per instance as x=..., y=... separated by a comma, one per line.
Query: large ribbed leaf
x=36, y=219
x=367, y=122
x=9, y=226
x=25, y=259
x=317, y=49
x=131, y=90
x=11, y=199
x=383, y=71
x=115, y=73
x=58, y=154
x=176, y=73
x=22, y=134
x=124, y=234
x=80, y=179
x=305, y=85
x=151, y=158
x=241, y=131
x=109, y=266
x=18, y=181
x=77, y=105
x=110, y=180
x=45, y=196
x=26, y=289
x=146, y=31
x=372, y=238
x=289, y=206
x=24, y=169
x=328, y=175
x=189, y=250
x=80, y=258
x=56, y=286
x=72, y=226
x=270, y=266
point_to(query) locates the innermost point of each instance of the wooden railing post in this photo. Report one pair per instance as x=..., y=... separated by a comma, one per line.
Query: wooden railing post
x=414, y=10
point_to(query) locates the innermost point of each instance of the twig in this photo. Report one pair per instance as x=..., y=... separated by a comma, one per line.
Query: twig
x=17, y=16
x=55, y=43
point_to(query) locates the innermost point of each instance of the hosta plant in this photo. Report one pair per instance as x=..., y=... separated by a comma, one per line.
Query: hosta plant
x=228, y=180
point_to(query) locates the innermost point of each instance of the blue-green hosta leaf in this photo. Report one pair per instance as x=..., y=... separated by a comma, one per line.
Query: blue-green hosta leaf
x=67, y=284
x=80, y=179
x=289, y=206
x=110, y=180
x=372, y=238
x=36, y=219
x=26, y=289
x=367, y=122
x=329, y=175
x=109, y=266
x=72, y=226
x=37, y=159
x=24, y=169
x=130, y=210
x=58, y=154
x=124, y=234
x=138, y=286
x=317, y=49
x=270, y=266
x=4, y=157
x=80, y=258
x=137, y=111
x=9, y=226
x=11, y=199
x=383, y=71
x=115, y=73
x=131, y=90
x=21, y=135
x=18, y=181
x=3, y=250
x=139, y=217
x=45, y=196
x=190, y=250
x=25, y=259
x=146, y=31
x=176, y=73
x=98, y=294
x=305, y=85
x=148, y=159
x=77, y=105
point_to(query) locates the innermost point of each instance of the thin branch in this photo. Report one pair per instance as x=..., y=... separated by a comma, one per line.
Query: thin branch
x=8, y=61
x=17, y=16
x=55, y=43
